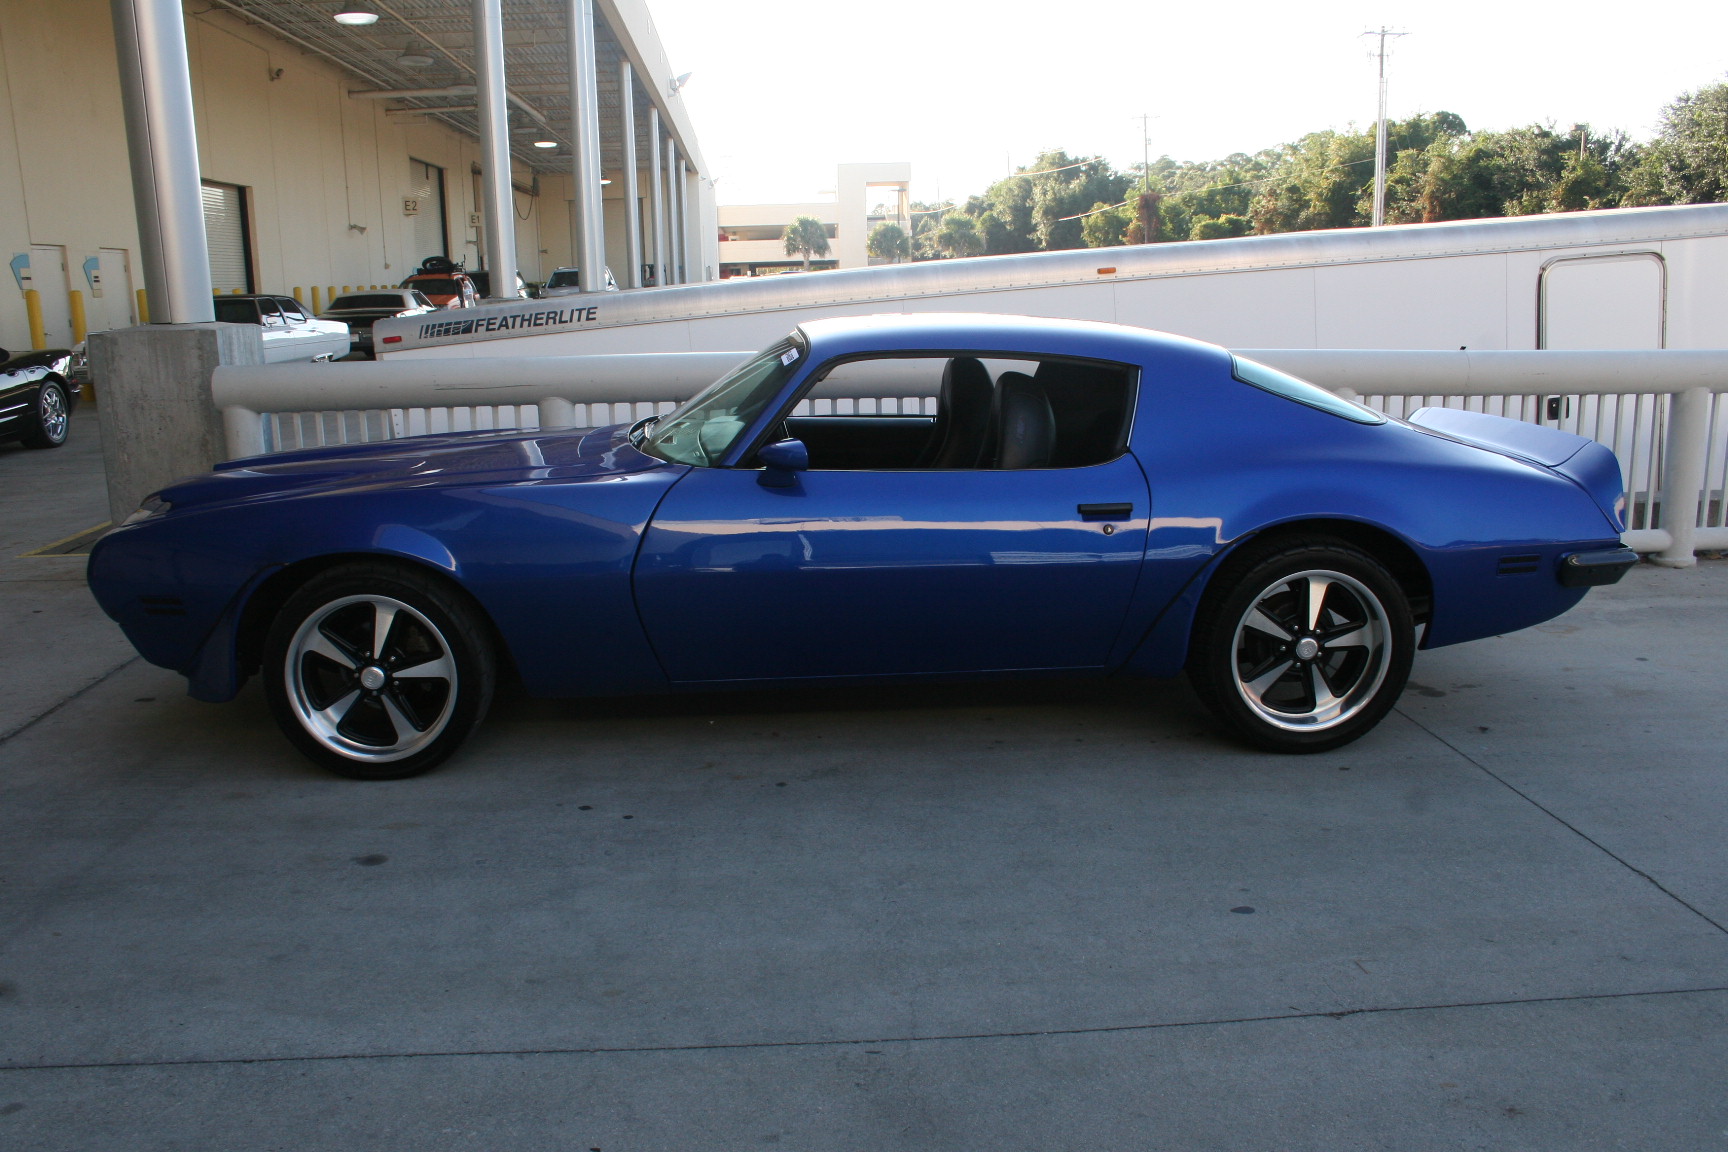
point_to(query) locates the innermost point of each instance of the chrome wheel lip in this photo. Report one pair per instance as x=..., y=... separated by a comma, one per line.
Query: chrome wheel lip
x=53, y=410
x=320, y=725
x=1375, y=631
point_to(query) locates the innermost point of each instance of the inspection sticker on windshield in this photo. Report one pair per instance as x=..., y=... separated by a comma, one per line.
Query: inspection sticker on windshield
x=788, y=356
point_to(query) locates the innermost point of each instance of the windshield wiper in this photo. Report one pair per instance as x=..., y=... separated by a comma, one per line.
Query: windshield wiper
x=639, y=430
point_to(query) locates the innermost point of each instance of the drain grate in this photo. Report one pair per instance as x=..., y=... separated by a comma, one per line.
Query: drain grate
x=76, y=545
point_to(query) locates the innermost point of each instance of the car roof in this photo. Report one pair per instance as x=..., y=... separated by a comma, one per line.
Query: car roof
x=841, y=335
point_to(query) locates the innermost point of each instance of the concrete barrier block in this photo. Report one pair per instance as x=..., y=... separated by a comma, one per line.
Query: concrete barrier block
x=158, y=420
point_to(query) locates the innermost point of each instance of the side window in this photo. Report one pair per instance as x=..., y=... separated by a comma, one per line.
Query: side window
x=291, y=309
x=945, y=412
x=271, y=313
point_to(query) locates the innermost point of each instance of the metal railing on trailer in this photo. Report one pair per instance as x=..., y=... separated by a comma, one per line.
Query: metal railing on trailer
x=1664, y=413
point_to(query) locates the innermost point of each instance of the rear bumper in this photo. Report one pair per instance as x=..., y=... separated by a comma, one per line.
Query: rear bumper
x=1595, y=568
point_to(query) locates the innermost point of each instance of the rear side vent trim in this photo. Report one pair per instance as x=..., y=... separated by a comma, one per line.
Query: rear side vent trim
x=1520, y=565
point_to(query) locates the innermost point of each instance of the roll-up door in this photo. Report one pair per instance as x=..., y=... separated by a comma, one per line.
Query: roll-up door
x=225, y=232
x=426, y=188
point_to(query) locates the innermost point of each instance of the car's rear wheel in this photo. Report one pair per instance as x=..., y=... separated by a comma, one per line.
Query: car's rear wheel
x=1302, y=647
x=51, y=422
x=378, y=672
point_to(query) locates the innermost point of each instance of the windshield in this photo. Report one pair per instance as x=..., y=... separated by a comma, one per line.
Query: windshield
x=706, y=427
x=564, y=278
x=435, y=285
x=370, y=300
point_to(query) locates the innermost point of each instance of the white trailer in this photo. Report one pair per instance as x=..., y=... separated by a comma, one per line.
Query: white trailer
x=1633, y=278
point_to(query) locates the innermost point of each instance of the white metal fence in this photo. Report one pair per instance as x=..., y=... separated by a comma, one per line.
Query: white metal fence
x=1665, y=413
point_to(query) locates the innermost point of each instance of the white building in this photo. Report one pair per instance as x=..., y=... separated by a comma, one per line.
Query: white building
x=750, y=234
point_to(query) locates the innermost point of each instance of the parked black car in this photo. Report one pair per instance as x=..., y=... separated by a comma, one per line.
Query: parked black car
x=483, y=284
x=360, y=310
x=37, y=396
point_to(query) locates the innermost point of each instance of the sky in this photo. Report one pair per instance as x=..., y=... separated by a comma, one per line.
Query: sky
x=781, y=91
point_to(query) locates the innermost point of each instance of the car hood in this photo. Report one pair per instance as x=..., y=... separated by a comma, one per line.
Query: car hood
x=458, y=458
x=350, y=315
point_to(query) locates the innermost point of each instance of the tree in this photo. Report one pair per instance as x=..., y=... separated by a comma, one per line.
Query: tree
x=888, y=242
x=806, y=236
x=958, y=235
x=1219, y=227
x=1104, y=228
x=1687, y=163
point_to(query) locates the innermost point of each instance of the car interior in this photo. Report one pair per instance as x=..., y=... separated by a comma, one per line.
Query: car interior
x=964, y=412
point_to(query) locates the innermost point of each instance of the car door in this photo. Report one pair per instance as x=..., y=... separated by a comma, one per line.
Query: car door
x=17, y=397
x=279, y=341
x=892, y=571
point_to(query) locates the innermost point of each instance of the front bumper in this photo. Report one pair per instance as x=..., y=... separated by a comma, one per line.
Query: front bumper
x=1596, y=568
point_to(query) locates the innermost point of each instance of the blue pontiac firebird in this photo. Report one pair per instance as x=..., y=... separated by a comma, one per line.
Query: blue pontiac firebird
x=1041, y=497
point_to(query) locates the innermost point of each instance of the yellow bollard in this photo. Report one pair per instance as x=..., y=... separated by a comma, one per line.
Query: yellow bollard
x=143, y=307
x=237, y=292
x=330, y=293
x=297, y=296
x=345, y=289
x=33, y=312
x=80, y=325
x=316, y=306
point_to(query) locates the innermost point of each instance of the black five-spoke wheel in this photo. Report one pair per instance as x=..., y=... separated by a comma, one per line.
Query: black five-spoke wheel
x=1303, y=647
x=376, y=672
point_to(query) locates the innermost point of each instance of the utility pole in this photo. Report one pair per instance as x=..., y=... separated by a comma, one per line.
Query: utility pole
x=1379, y=54
x=1146, y=149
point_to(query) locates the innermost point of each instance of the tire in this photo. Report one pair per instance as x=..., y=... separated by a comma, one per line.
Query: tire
x=373, y=707
x=51, y=423
x=1302, y=645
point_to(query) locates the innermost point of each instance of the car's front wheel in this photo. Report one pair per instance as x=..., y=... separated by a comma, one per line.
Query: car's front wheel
x=378, y=672
x=1302, y=647
x=51, y=423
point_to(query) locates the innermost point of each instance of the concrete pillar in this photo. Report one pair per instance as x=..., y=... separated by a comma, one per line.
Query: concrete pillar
x=162, y=143
x=158, y=420
x=682, y=174
x=657, y=194
x=498, y=201
x=632, y=209
x=1685, y=466
x=674, y=216
x=588, y=225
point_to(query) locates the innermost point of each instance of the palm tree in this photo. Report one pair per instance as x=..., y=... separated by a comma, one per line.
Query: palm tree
x=888, y=242
x=806, y=236
x=958, y=235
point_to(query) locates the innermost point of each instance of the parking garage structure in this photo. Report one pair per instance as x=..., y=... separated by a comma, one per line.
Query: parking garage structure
x=327, y=157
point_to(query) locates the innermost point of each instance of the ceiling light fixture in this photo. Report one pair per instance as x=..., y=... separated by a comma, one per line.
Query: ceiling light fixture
x=356, y=15
x=545, y=143
x=414, y=56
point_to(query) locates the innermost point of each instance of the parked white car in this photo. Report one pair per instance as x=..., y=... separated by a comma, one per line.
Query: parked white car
x=290, y=332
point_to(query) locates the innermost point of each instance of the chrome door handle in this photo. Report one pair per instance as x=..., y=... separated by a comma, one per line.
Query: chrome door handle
x=1105, y=511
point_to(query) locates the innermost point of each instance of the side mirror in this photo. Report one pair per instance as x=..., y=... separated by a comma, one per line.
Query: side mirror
x=781, y=463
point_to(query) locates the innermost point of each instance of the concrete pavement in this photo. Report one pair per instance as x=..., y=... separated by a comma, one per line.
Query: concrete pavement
x=1016, y=916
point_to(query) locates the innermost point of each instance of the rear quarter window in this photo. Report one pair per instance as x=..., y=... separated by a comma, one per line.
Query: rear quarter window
x=1269, y=379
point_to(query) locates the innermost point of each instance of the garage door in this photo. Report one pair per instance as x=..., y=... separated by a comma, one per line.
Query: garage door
x=225, y=231
x=426, y=188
